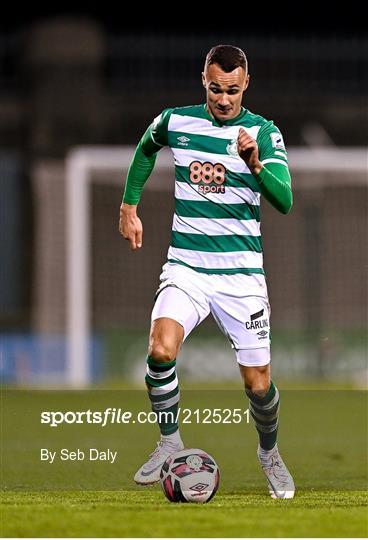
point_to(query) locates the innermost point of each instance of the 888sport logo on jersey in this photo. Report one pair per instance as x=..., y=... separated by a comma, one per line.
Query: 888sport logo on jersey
x=209, y=177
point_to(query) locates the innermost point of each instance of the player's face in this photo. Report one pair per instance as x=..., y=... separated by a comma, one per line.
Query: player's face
x=224, y=91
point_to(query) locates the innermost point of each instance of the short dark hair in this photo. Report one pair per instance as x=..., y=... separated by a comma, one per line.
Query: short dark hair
x=227, y=57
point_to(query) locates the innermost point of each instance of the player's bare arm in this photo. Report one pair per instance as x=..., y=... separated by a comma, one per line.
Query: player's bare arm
x=130, y=226
x=248, y=151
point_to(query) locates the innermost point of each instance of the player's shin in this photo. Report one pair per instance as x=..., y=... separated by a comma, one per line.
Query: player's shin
x=265, y=413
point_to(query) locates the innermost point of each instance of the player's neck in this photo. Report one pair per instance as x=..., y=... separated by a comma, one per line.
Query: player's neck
x=222, y=121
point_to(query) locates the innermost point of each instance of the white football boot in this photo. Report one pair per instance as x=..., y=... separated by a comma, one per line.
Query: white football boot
x=149, y=473
x=280, y=482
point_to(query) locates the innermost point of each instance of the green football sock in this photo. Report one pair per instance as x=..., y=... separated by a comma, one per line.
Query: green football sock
x=163, y=391
x=265, y=413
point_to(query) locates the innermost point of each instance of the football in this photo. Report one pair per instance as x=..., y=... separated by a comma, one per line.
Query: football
x=190, y=475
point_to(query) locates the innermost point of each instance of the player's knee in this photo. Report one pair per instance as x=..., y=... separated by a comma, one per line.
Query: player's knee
x=256, y=380
x=161, y=352
x=259, y=389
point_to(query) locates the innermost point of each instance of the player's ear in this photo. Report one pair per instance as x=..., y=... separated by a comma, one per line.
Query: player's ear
x=203, y=79
x=246, y=82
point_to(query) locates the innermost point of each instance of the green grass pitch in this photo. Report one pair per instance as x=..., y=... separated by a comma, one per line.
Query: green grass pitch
x=323, y=438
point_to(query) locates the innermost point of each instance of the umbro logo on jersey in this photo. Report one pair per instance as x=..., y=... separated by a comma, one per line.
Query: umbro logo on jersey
x=183, y=140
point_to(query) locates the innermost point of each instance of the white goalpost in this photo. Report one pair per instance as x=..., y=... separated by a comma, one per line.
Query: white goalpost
x=81, y=162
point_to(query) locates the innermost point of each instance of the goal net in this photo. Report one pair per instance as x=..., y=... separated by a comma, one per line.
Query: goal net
x=315, y=261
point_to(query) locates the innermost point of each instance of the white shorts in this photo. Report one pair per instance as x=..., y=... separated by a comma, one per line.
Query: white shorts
x=238, y=303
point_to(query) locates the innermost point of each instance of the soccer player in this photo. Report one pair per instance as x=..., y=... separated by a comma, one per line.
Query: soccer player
x=225, y=158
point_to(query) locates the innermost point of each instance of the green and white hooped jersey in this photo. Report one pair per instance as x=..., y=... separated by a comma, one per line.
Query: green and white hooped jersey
x=216, y=225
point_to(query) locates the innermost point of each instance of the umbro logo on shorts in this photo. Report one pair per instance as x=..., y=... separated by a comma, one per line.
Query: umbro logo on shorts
x=262, y=334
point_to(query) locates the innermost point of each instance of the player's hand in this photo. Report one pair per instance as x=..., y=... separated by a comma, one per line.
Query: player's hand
x=130, y=226
x=248, y=151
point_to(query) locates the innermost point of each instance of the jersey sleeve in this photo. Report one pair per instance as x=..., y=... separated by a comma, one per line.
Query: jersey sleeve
x=274, y=178
x=271, y=145
x=275, y=185
x=143, y=162
x=156, y=135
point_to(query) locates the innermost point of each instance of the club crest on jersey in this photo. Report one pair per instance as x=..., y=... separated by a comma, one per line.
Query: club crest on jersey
x=277, y=140
x=232, y=148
